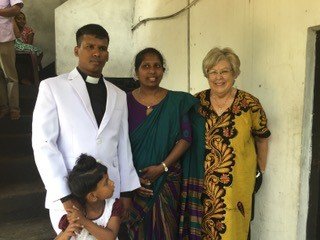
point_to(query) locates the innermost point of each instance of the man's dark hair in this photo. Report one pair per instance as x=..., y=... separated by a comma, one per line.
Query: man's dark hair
x=91, y=29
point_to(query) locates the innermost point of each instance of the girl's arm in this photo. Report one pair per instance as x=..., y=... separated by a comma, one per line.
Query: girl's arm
x=109, y=232
x=114, y=225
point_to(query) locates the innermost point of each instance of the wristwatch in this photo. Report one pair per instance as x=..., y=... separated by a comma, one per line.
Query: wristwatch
x=165, y=167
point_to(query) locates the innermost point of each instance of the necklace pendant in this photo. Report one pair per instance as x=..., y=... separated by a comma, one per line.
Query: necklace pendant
x=149, y=110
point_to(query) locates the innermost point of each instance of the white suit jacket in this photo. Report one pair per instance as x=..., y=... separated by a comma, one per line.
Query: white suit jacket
x=64, y=126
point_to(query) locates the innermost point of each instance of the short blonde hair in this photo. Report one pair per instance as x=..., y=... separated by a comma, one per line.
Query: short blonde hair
x=215, y=55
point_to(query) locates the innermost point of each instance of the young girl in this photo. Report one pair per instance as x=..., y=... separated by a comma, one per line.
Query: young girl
x=100, y=217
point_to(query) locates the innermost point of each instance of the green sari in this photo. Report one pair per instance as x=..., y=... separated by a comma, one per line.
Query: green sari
x=191, y=206
x=157, y=217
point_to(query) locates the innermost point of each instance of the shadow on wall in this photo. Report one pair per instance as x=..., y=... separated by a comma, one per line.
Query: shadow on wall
x=48, y=71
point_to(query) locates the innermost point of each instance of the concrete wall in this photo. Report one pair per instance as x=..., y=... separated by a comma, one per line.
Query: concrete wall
x=116, y=17
x=170, y=36
x=40, y=16
x=275, y=42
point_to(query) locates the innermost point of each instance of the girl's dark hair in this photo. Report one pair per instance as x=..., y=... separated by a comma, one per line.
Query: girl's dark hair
x=85, y=176
x=140, y=56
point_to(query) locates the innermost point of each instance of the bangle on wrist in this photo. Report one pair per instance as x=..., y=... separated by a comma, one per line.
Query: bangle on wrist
x=165, y=167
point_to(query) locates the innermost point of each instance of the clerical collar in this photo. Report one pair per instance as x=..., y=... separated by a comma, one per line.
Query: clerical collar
x=89, y=79
x=92, y=80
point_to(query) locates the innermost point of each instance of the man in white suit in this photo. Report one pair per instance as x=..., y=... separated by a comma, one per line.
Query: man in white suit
x=80, y=112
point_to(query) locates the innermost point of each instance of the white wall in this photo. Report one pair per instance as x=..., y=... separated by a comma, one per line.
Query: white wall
x=40, y=17
x=275, y=42
x=115, y=16
x=169, y=36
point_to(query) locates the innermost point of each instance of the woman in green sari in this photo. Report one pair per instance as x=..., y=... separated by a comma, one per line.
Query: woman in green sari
x=161, y=132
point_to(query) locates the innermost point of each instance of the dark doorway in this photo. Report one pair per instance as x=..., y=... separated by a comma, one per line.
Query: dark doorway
x=313, y=224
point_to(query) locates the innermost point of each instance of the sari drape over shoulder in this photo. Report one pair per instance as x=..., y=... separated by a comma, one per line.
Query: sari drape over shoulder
x=151, y=143
x=191, y=209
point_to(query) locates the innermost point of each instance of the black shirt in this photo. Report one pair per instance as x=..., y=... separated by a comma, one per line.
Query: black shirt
x=98, y=96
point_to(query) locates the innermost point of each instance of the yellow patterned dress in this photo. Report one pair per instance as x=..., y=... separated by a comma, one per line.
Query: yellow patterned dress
x=230, y=165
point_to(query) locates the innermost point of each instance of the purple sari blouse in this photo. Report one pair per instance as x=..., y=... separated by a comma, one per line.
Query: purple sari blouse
x=137, y=114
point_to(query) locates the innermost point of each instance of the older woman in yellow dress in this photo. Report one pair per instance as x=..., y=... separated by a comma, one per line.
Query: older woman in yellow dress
x=236, y=141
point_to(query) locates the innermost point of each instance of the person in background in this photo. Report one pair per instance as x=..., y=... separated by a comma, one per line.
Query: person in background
x=236, y=142
x=24, y=41
x=161, y=133
x=28, y=56
x=89, y=182
x=9, y=85
x=81, y=112
x=27, y=33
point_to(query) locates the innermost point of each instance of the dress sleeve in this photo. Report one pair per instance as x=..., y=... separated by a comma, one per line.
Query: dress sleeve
x=186, y=128
x=259, y=121
x=117, y=209
x=63, y=223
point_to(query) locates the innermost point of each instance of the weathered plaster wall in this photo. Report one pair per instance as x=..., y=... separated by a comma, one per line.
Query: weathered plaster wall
x=115, y=16
x=169, y=36
x=40, y=16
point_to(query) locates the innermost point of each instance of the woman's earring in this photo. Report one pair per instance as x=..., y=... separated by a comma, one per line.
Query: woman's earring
x=135, y=77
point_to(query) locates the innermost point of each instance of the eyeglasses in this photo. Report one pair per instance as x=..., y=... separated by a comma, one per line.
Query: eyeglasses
x=223, y=73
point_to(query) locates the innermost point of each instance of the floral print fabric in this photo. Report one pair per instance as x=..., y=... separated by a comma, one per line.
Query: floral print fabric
x=230, y=165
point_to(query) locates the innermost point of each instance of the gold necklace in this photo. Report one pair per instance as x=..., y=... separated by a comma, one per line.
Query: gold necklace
x=221, y=107
x=149, y=105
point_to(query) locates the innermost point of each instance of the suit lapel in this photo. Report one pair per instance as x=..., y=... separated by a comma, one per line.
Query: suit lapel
x=111, y=102
x=79, y=86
